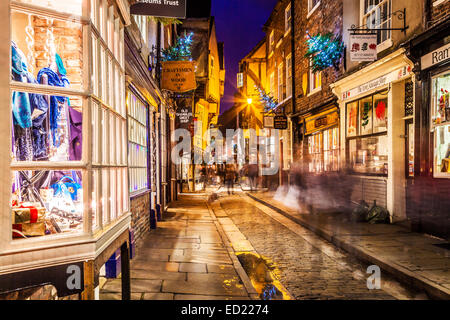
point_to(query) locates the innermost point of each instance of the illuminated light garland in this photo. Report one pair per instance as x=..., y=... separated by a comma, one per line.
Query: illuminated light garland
x=181, y=51
x=324, y=50
x=266, y=100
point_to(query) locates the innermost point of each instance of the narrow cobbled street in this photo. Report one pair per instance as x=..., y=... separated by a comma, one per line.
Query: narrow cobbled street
x=193, y=255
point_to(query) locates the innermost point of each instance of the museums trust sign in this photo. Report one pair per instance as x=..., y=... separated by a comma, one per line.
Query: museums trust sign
x=160, y=8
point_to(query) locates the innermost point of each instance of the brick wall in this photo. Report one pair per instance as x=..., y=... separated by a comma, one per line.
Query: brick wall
x=281, y=48
x=47, y=292
x=140, y=213
x=327, y=18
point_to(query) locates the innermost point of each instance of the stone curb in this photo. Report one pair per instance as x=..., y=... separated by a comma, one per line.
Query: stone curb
x=253, y=294
x=404, y=275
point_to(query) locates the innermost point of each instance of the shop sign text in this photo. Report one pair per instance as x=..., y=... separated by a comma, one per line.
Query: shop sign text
x=435, y=57
x=377, y=83
x=363, y=47
x=178, y=76
x=160, y=8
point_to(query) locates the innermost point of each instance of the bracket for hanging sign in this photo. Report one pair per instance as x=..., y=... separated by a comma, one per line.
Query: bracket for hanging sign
x=399, y=14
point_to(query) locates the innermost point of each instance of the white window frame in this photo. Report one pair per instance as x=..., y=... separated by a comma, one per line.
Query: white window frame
x=97, y=223
x=312, y=9
x=271, y=41
x=386, y=43
x=312, y=76
x=287, y=18
x=272, y=84
x=138, y=124
x=280, y=87
x=289, y=76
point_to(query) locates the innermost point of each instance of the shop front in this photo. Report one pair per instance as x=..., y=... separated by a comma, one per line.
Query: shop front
x=322, y=141
x=428, y=193
x=375, y=113
x=62, y=81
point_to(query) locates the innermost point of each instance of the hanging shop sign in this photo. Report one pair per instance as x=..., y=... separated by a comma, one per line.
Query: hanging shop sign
x=396, y=75
x=160, y=8
x=268, y=122
x=183, y=115
x=437, y=56
x=178, y=76
x=363, y=47
x=322, y=121
x=280, y=122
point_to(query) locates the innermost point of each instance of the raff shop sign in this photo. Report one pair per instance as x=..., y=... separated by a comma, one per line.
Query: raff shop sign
x=437, y=56
x=363, y=47
x=178, y=76
x=160, y=8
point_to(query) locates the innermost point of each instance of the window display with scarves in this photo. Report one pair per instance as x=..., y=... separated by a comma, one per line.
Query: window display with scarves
x=67, y=126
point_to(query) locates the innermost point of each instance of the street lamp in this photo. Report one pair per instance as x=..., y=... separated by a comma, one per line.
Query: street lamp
x=249, y=100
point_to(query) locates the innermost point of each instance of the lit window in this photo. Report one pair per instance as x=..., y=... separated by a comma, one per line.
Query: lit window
x=280, y=83
x=137, y=144
x=272, y=84
x=271, y=41
x=289, y=76
x=312, y=5
x=287, y=18
x=315, y=79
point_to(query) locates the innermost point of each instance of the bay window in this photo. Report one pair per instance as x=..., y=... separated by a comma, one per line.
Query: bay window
x=67, y=125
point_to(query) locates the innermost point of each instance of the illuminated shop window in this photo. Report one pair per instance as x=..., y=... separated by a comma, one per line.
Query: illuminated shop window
x=366, y=130
x=68, y=118
x=440, y=117
x=137, y=144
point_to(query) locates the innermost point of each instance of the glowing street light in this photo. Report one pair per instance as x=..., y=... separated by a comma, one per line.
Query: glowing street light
x=249, y=100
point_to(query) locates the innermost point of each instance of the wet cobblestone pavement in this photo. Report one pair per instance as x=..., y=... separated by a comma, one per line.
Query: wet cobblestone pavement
x=310, y=267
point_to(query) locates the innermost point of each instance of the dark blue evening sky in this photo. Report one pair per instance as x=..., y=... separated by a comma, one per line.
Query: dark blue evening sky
x=239, y=25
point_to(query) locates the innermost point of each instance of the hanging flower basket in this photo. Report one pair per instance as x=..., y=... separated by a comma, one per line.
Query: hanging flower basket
x=324, y=51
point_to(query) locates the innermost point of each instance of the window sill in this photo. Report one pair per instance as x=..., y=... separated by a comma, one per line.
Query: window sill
x=288, y=31
x=438, y=2
x=139, y=193
x=384, y=45
x=313, y=10
x=313, y=92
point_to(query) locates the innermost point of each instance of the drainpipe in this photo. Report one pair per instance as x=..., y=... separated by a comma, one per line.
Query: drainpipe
x=293, y=54
x=158, y=54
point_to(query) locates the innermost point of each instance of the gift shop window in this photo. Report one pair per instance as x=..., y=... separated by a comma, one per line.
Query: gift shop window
x=323, y=149
x=67, y=103
x=440, y=117
x=366, y=126
x=137, y=144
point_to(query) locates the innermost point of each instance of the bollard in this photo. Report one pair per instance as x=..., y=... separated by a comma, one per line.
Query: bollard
x=152, y=219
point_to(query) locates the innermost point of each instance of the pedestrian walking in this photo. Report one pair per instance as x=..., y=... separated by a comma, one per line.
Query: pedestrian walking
x=230, y=176
x=253, y=173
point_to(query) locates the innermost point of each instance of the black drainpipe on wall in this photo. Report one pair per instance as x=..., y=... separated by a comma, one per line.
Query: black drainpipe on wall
x=293, y=54
x=158, y=54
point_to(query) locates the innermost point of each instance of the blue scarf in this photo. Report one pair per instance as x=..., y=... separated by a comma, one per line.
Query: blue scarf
x=58, y=81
